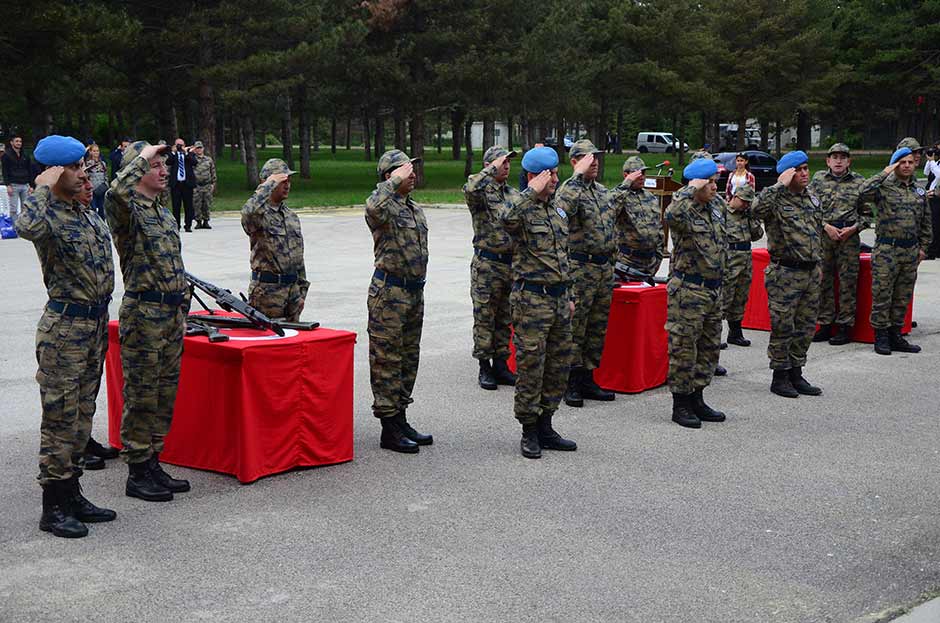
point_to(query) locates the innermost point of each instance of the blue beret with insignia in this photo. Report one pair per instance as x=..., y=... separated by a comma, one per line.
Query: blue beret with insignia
x=58, y=150
x=700, y=169
x=792, y=160
x=904, y=151
x=540, y=159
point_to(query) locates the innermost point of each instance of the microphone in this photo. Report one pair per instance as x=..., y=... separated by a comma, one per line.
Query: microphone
x=664, y=163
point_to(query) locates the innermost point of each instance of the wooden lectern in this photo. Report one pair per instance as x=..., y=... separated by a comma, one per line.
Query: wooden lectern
x=663, y=187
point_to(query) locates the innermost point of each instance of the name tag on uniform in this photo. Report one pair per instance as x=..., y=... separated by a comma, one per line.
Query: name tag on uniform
x=789, y=209
x=561, y=213
x=699, y=221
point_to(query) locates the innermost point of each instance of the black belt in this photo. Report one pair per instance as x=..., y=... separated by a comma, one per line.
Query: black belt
x=594, y=259
x=636, y=253
x=505, y=258
x=904, y=243
x=79, y=311
x=265, y=276
x=152, y=296
x=711, y=284
x=392, y=280
x=841, y=224
x=551, y=289
x=739, y=246
x=796, y=264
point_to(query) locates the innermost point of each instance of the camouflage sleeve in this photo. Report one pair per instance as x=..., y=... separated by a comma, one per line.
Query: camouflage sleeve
x=678, y=212
x=864, y=211
x=123, y=191
x=32, y=223
x=568, y=195
x=377, y=205
x=478, y=181
x=212, y=174
x=766, y=201
x=925, y=235
x=511, y=217
x=871, y=191
x=757, y=232
x=255, y=206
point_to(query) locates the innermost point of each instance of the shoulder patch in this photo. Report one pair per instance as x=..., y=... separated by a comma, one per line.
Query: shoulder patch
x=561, y=213
x=920, y=191
x=814, y=200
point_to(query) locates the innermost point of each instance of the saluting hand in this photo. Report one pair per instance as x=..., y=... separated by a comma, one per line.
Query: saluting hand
x=698, y=184
x=787, y=176
x=498, y=163
x=540, y=181
x=150, y=151
x=891, y=167
x=633, y=176
x=584, y=164
x=403, y=173
x=277, y=178
x=49, y=177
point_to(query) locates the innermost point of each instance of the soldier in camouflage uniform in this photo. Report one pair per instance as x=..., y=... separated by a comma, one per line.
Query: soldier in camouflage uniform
x=902, y=235
x=396, y=299
x=742, y=229
x=696, y=219
x=152, y=316
x=541, y=303
x=592, y=251
x=74, y=251
x=278, y=277
x=204, y=170
x=793, y=221
x=638, y=222
x=837, y=189
x=487, y=194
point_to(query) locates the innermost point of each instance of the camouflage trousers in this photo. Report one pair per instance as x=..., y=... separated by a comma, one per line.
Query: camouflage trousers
x=151, y=349
x=70, y=352
x=279, y=300
x=793, y=299
x=693, y=321
x=593, y=288
x=396, y=317
x=838, y=259
x=490, y=284
x=647, y=265
x=736, y=285
x=202, y=202
x=542, y=337
x=893, y=273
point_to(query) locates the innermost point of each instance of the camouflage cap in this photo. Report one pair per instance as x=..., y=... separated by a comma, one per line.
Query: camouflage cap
x=495, y=152
x=198, y=144
x=745, y=192
x=132, y=151
x=273, y=167
x=840, y=148
x=634, y=163
x=582, y=148
x=392, y=159
x=911, y=143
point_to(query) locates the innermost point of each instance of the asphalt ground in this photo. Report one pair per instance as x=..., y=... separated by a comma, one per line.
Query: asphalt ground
x=814, y=509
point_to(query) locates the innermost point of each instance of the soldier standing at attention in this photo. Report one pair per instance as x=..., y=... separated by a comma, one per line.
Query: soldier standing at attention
x=696, y=219
x=541, y=303
x=902, y=235
x=592, y=253
x=742, y=229
x=152, y=316
x=837, y=189
x=396, y=299
x=74, y=251
x=637, y=220
x=792, y=219
x=205, y=186
x=278, y=277
x=487, y=195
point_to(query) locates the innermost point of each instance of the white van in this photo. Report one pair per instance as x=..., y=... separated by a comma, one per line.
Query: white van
x=657, y=143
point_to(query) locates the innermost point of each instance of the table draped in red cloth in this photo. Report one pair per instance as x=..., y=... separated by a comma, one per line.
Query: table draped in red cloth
x=255, y=405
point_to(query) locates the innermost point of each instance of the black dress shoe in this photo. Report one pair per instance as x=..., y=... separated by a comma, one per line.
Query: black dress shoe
x=93, y=462
x=682, y=413
x=841, y=336
x=823, y=333
x=529, y=444
x=93, y=447
x=84, y=510
x=140, y=484
x=882, y=341
x=394, y=439
x=736, y=335
x=485, y=378
x=899, y=344
x=411, y=433
x=176, y=485
x=206, y=225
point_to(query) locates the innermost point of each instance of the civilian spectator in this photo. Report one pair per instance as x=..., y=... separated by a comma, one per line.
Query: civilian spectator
x=115, y=156
x=17, y=173
x=741, y=175
x=181, y=165
x=932, y=171
x=97, y=172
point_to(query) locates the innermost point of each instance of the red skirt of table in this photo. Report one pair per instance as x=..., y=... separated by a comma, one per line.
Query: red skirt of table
x=253, y=407
x=757, y=314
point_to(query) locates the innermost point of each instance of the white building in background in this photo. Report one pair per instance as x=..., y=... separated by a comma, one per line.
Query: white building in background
x=500, y=135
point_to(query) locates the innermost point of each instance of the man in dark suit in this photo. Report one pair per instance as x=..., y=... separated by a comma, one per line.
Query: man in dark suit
x=180, y=165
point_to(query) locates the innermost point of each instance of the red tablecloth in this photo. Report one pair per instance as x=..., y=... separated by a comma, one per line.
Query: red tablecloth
x=757, y=314
x=254, y=407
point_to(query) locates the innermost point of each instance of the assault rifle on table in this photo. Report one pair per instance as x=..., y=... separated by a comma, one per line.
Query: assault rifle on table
x=229, y=302
x=233, y=322
x=629, y=273
x=195, y=327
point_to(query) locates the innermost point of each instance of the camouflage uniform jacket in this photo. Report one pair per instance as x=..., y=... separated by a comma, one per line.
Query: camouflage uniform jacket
x=792, y=222
x=902, y=208
x=145, y=235
x=699, y=238
x=839, y=197
x=540, y=232
x=742, y=226
x=590, y=218
x=486, y=199
x=638, y=220
x=274, y=234
x=204, y=171
x=73, y=245
x=399, y=231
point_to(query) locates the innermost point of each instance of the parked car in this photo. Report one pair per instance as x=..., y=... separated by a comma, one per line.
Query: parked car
x=657, y=143
x=762, y=164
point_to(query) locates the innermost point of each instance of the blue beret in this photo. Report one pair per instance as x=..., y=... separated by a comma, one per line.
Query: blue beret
x=792, y=160
x=55, y=150
x=540, y=159
x=904, y=151
x=700, y=169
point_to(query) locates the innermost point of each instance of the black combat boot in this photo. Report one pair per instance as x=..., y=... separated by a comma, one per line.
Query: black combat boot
x=823, y=333
x=393, y=438
x=591, y=390
x=702, y=411
x=84, y=510
x=841, y=336
x=735, y=335
x=899, y=344
x=682, y=413
x=801, y=385
x=486, y=375
x=502, y=373
x=57, y=514
x=411, y=433
x=573, y=396
x=141, y=484
x=720, y=370
x=206, y=225
x=723, y=346
x=551, y=440
x=95, y=448
x=782, y=385
x=88, y=461
x=883, y=341
x=176, y=485
x=530, y=442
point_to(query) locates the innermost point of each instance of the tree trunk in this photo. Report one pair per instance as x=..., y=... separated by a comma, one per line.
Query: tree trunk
x=379, y=136
x=489, y=127
x=600, y=132
x=315, y=133
x=560, y=138
x=219, y=138
x=399, y=130
x=778, y=140
x=456, y=127
x=84, y=126
x=440, y=130
x=468, y=146
x=333, y=134
x=263, y=138
x=524, y=133
x=618, y=140
x=764, y=133
x=349, y=134
x=742, y=132
x=509, y=135
x=304, y=131
x=287, y=141
x=679, y=133
x=174, y=126
x=236, y=134
x=192, y=120
x=251, y=151
x=802, y=130
x=417, y=145
x=366, y=139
